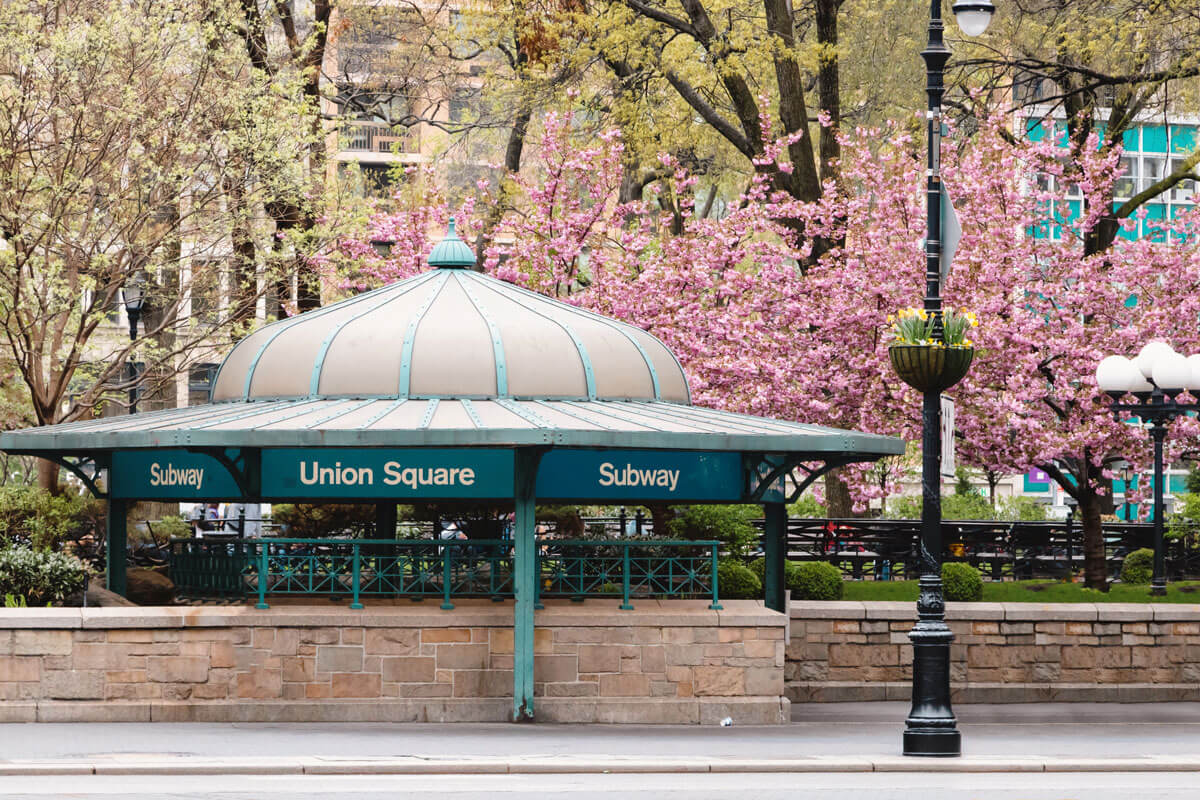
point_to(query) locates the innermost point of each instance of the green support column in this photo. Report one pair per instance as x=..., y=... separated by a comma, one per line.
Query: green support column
x=115, y=524
x=774, y=554
x=524, y=583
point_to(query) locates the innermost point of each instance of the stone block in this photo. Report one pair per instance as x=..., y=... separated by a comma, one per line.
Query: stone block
x=555, y=669
x=501, y=640
x=261, y=684
x=720, y=681
x=409, y=669
x=625, y=685
x=297, y=669
x=575, y=689
x=287, y=641
x=17, y=669
x=678, y=635
x=462, y=656
x=1095, y=657
x=441, y=635
x=319, y=636
x=41, y=643
x=221, y=655
x=599, y=658
x=764, y=681
x=100, y=656
x=177, y=669
x=393, y=641
x=654, y=658
x=483, y=683
x=338, y=658
x=684, y=654
x=355, y=684
x=73, y=685
x=425, y=689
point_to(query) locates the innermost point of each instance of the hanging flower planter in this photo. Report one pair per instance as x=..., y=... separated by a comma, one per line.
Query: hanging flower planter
x=926, y=363
x=929, y=368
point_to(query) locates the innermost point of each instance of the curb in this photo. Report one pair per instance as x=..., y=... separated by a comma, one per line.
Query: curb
x=592, y=765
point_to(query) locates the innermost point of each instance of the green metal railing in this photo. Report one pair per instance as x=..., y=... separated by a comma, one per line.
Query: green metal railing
x=420, y=568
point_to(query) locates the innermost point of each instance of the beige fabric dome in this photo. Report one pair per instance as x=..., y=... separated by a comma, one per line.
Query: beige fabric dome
x=451, y=333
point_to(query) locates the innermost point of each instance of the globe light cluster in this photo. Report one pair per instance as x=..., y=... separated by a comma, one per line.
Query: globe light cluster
x=1156, y=366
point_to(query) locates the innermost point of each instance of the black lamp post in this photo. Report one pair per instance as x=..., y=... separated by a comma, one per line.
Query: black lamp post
x=133, y=295
x=931, y=728
x=1155, y=379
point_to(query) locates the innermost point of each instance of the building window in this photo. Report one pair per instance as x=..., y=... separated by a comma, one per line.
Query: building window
x=200, y=381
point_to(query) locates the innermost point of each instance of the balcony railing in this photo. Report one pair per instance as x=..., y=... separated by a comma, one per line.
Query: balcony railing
x=376, y=137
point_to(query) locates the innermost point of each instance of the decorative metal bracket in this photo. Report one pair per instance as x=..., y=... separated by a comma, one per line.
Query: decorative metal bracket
x=245, y=469
x=77, y=467
x=764, y=471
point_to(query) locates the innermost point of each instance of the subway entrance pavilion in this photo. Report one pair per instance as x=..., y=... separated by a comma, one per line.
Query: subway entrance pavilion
x=454, y=387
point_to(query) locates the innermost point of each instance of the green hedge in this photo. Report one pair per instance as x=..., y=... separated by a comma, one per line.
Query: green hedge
x=962, y=582
x=736, y=581
x=816, y=580
x=1138, y=568
x=38, y=577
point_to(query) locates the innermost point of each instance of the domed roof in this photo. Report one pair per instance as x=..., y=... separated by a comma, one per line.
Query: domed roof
x=451, y=333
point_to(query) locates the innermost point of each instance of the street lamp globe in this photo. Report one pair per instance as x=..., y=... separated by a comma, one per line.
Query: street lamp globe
x=133, y=294
x=1150, y=353
x=1171, y=372
x=973, y=16
x=1117, y=375
x=1194, y=373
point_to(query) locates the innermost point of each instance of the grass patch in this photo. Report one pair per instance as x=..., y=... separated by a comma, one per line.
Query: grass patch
x=1038, y=591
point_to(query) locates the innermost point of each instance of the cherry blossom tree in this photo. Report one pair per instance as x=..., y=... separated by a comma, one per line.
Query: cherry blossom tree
x=763, y=329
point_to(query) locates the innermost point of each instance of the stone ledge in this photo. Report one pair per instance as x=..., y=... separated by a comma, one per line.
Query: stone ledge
x=764, y=710
x=1003, y=612
x=467, y=613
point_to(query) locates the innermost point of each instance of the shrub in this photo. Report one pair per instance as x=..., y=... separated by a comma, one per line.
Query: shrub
x=729, y=525
x=31, y=515
x=1138, y=568
x=816, y=580
x=962, y=582
x=967, y=506
x=791, y=571
x=38, y=577
x=736, y=581
x=808, y=507
x=1022, y=508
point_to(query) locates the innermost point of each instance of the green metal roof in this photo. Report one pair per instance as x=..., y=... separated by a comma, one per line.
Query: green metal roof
x=442, y=422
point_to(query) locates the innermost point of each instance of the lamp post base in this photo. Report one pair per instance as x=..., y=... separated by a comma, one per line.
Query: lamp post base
x=932, y=742
x=1158, y=587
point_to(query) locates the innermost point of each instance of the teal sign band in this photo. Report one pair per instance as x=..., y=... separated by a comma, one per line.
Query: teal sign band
x=347, y=473
x=640, y=475
x=170, y=475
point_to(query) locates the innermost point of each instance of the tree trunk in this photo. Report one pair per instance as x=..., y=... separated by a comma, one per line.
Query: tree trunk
x=828, y=90
x=838, y=504
x=1095, y=566
x=47, y=472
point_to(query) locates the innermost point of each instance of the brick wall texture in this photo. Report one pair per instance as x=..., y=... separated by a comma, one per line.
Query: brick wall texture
x=589, y=665
x=1002, y=652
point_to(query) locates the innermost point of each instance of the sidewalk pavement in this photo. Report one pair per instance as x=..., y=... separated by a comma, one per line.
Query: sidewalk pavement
x=823, y=738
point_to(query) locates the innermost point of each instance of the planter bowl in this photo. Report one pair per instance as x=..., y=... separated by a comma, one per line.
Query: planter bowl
x=930, y=369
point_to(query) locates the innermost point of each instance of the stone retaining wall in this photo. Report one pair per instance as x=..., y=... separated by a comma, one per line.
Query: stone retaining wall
x=1002, y=652
x=664, y=662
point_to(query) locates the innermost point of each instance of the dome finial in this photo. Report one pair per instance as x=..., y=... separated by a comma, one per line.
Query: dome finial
x=451, y=252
